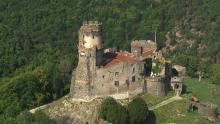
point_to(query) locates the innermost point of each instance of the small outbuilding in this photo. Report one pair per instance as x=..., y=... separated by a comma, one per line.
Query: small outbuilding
x=177, y=86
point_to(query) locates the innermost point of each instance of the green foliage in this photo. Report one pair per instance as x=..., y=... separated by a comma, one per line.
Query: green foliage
x=113, y=112
x=157, y=68
x=202, y=17
x=176, y=112
x=26, y=117
x=30, y=89
x=215, y=74
x=39, y=117
x=138, y=111
x=38, y=40
x=38, y=44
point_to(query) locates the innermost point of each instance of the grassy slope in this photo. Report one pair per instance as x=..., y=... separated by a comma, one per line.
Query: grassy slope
x=176, y=112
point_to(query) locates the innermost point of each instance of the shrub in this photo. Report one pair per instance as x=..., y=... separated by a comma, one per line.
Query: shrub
x=113, y=112
x=138, y=111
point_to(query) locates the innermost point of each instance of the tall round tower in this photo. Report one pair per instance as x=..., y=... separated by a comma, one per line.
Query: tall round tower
x=90, y=50
x=90, y=37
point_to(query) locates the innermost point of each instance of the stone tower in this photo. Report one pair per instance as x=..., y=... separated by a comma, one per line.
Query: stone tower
x=90, y=50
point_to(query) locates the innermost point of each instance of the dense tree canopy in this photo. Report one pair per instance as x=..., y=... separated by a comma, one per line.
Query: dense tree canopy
x=28, y=118
x=138, y=111
x=113, y=112
x=38, y=40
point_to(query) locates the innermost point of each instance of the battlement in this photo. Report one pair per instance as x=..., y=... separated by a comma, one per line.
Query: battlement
x=91, y=26
x=92, y=23
x=143, y=46
x=143, y=41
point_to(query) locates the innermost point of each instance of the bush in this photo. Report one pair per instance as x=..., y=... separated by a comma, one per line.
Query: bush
x=214, y=74
x=37, y=118
x=26, y=117
x=138, y=111
x=113, y=112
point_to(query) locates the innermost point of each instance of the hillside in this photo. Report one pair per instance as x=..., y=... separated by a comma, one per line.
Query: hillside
x=38, y=41
x=176, y=112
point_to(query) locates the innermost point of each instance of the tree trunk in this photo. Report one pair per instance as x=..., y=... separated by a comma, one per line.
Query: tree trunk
x=200, y=76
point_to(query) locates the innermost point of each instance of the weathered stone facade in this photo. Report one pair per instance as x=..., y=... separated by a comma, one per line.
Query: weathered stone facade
x=102, y=73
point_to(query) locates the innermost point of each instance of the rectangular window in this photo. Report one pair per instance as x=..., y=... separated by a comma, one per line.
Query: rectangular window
x=116, y=74
x=133, y=78
x=116, y=83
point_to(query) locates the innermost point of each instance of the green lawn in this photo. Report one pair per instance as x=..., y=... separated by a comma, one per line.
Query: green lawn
x=151, y=100
x=176, y=112
x=204, y=90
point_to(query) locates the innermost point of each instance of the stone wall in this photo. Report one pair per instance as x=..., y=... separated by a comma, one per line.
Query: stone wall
x=156, y=86
x=147, y=45
x=90, y=51
x=208, y=110
x=93, y=78
x=119, y=78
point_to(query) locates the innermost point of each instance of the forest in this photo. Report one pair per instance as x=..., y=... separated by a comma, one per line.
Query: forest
x=38, y=42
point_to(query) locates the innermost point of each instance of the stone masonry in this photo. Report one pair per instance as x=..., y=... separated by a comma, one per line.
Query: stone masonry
x=103, y=72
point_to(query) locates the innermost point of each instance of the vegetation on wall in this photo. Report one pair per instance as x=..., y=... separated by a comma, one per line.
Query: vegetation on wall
x=157, y=66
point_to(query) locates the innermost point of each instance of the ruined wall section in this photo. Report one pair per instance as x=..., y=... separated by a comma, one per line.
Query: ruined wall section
x=146, y=44
x=208, y=110
x=90, y=45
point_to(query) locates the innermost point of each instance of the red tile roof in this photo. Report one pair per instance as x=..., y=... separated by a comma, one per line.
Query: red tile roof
x=147, y=54
x=125, y=57
x=136, y=46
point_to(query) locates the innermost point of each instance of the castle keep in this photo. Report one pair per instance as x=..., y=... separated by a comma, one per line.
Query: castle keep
x=103, y=72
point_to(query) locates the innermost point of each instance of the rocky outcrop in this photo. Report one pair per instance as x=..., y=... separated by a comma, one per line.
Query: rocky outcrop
x=76, y=111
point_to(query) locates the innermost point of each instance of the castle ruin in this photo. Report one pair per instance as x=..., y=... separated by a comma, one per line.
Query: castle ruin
x=103, y=72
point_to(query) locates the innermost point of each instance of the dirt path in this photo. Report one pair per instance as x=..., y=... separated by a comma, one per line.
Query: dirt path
x=165, y=102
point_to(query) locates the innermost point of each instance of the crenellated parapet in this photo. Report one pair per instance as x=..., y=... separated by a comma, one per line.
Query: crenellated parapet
x=146, y=45
x=91, y=27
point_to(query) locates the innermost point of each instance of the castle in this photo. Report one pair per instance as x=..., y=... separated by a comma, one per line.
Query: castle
x=103, y=72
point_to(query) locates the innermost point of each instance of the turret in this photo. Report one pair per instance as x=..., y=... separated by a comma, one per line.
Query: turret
x=136, y=51
x=90, y=51
x=90, y=37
